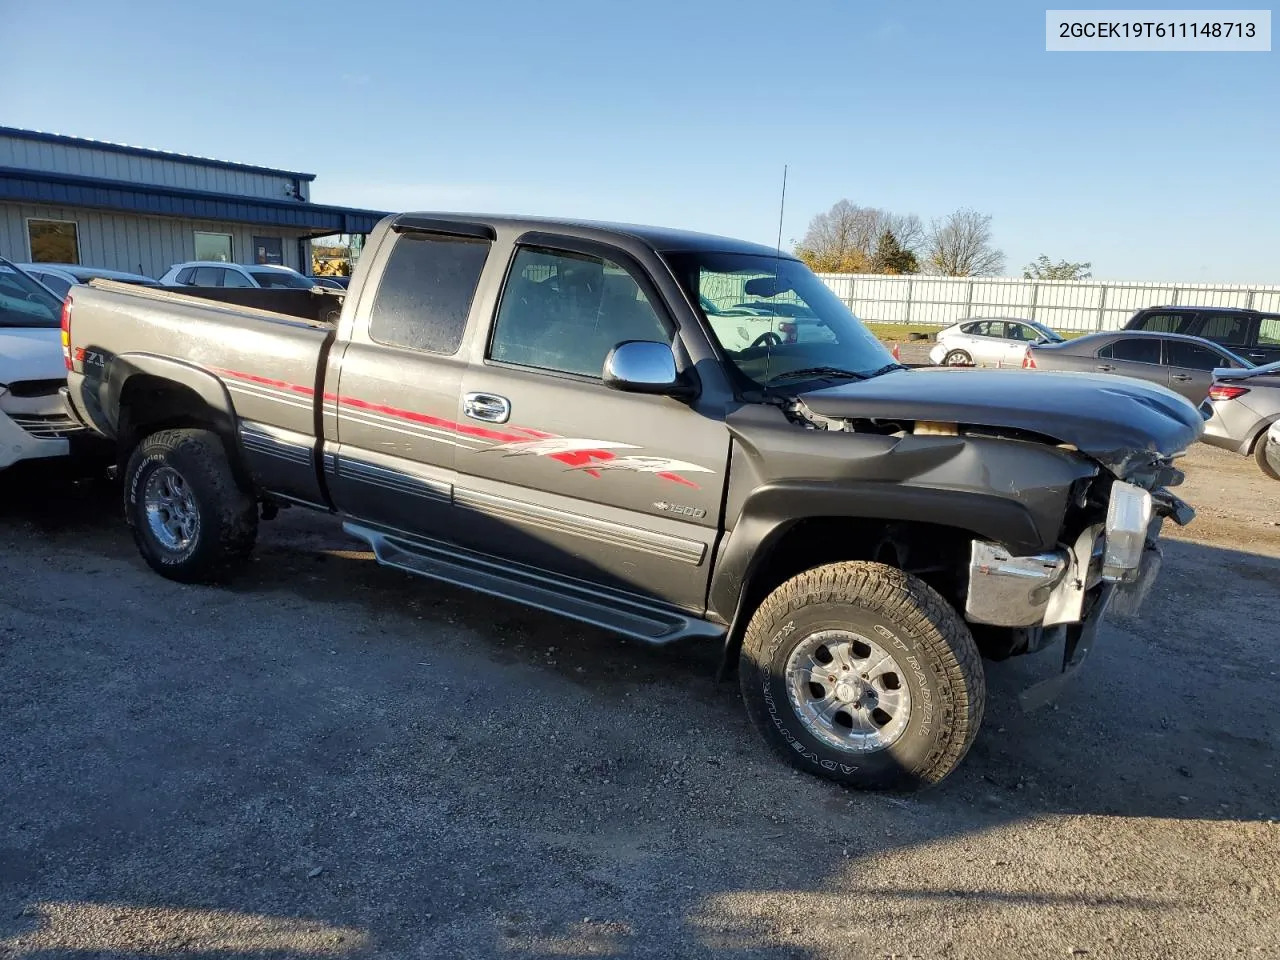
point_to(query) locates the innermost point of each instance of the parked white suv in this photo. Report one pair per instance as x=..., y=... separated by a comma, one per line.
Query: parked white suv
x=215, y=273
x=989, y=341
x=34, y=423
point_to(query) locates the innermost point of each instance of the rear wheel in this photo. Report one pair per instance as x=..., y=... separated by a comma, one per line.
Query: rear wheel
x=190, y=519
x=1260, y=455
x=863, y=674
x=957, y=358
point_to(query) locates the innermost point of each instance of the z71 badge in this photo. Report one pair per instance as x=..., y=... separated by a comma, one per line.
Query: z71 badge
x=680, y=509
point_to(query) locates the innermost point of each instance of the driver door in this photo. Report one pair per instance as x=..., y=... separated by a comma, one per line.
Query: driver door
x=570, y=476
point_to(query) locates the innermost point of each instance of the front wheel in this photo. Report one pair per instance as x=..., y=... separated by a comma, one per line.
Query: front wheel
x=863, y=674
x=190, y=519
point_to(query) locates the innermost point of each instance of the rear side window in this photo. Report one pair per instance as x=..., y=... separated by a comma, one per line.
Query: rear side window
x=208, y=277
x=1269, y=332
x=425, y=292
x=55, y=283
x=1192, y=356
x=1134, y=350
x=234, y=278
x=1164, y=322
x=186, y=276
x=1231, y=329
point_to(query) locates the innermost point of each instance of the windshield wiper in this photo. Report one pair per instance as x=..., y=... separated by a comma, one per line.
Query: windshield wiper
x=887, y=368
x=806, y=373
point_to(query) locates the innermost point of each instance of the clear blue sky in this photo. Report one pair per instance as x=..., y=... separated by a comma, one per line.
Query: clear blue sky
x=1153, y=166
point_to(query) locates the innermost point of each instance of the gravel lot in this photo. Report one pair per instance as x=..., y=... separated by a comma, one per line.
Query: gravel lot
x=331, y=759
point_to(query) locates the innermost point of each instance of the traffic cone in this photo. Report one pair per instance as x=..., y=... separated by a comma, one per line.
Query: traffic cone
x=896, y=355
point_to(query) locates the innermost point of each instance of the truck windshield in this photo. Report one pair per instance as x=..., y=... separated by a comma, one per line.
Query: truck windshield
x=25, y=303
x=776, y=321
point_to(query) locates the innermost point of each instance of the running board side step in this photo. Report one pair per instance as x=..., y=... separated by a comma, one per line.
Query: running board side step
x=575, y=599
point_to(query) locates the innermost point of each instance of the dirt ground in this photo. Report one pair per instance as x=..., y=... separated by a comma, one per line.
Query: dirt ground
x=331, y=759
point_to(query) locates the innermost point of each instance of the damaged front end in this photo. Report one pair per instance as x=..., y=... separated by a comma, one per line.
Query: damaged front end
x=1110, y=567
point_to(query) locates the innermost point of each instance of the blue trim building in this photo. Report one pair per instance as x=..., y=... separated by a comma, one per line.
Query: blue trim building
x=133, y=208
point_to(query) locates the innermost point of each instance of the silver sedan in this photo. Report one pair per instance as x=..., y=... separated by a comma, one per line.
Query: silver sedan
x=1241, y=406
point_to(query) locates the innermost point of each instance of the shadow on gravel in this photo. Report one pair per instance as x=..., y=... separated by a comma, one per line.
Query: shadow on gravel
x=336, y=759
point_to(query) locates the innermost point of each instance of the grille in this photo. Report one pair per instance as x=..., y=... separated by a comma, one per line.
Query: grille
x=36, y=388
x=46, y=426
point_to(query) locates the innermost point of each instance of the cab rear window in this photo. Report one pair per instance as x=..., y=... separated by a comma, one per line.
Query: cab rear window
x=1165, y=322
x=424, y=295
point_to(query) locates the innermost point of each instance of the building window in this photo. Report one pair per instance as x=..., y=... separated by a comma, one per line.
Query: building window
x=53, y=241
x=213, y=246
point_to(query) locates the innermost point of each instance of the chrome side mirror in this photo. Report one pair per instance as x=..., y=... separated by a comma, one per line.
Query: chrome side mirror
x=644, y=366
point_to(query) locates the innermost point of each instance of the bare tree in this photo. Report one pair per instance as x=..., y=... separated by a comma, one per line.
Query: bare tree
x=959, y=245
x=844, y=238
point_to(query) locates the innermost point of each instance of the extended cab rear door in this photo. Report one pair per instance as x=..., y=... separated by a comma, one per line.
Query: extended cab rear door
x=569, y=475
x=393, y=383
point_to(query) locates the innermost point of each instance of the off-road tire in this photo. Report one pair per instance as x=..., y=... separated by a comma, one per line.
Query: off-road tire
x=938, y=656
x=957, y=358
x=228, y=520
x=1260, y=455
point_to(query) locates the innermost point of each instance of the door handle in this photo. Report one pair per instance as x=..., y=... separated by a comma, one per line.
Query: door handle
x=486, y=406
x=1181, y=378
x=1105, y=367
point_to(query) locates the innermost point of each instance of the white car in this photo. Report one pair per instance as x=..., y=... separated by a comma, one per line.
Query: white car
x=1271, y=453
x=215, y=273
x=989, y=341
x=34, y=423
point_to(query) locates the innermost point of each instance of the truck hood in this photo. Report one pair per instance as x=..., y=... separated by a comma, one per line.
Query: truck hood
x=30, y=353
x=1123, y=424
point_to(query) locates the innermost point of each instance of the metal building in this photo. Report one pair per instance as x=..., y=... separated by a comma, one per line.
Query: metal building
x=70, y=200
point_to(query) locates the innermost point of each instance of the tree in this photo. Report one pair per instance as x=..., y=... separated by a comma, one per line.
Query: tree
x=959, y=245
x=1042, y=269
x=890, y=257
x=844, y=239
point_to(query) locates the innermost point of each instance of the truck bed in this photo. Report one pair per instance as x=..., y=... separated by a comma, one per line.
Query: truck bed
x=263, y=368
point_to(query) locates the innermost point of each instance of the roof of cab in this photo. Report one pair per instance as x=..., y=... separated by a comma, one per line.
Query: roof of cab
x=662, y=239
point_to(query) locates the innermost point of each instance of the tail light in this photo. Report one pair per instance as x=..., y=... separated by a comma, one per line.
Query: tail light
x=66, y=331
x=1221, y=391
x=788, y=331
x=1028, y=360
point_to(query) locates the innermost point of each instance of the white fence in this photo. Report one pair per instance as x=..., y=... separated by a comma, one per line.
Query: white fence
x=1062, y=304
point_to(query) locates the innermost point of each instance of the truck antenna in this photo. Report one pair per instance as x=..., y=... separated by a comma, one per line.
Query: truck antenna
x=782, y=207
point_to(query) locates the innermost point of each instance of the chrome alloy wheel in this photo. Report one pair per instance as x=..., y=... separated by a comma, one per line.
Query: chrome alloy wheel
x=848, y=691
x=172, y=515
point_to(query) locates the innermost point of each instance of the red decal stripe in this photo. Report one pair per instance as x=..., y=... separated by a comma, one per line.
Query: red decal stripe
x=676, y=478
x=573, y=458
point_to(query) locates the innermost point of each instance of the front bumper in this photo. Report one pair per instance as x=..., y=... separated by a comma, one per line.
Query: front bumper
x=1112, y=566
x=34, y=428
x=1272, y=450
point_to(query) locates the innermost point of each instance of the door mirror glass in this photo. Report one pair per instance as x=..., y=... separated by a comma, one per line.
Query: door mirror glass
x=644, y=366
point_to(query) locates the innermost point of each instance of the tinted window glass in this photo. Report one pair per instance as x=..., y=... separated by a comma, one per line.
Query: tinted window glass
x=565, y=311
x=54, y=283
x=24, y=303
x=208, y=276
x=186, y=276
x=1193, y=356
x=1135, y=350
x=280, y=278
x=425, y=292
x=988, y=328
x=234, y=278
x=1269, y=332
x=969, y=328
x=1165, y=322
x=1229, y=328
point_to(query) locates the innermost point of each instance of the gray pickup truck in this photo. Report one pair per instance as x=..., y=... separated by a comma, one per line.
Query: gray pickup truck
x=595, y=420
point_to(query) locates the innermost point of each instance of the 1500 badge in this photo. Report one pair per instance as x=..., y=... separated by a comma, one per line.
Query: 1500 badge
x=680, y=509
